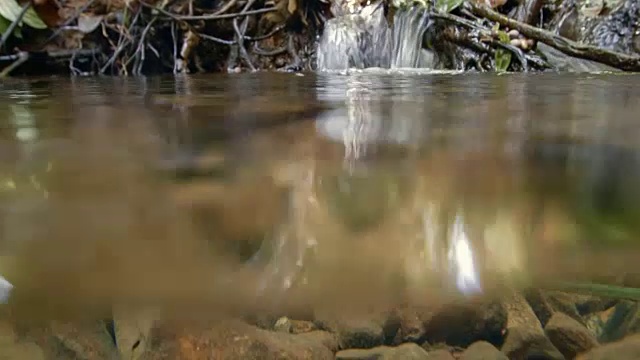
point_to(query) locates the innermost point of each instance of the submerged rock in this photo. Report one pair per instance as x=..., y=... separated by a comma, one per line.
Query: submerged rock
x=464, y=324
x=407, y=327
x=569, y=336
x=525, y=336
x=547, y=303
x=407, y=351
x=88, y=341
x=237, y=340
x=356, y=333
x=482, y=350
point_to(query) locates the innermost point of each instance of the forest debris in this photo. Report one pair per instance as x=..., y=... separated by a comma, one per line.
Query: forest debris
x=568, y=47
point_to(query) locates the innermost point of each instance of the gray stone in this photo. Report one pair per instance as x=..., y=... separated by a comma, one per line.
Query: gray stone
x=356, y=333
x=482, y=350
x=439, y=355
x=283, y=325
x=408, y=327
x=546, y=303
x=231, y=340
x=407, y=351
x=525, y=336
x=569, y=336
x=465, y=323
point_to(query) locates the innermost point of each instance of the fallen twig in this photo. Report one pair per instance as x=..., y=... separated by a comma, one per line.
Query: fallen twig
x=122, y=44
x=209, y=16
x=258, y=50
x=226, y=7
x=22, y=57
x=240, y=42
x=568, y=47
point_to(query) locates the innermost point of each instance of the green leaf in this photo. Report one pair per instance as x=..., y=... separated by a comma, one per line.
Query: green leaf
x=447, y=6
x=10, y=10
x=4, y=24
x=502, y=57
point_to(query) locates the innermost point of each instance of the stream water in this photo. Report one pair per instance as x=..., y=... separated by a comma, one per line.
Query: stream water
x=303, y=189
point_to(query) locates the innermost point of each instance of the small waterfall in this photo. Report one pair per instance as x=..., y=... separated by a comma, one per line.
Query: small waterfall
x=356, y=40
x=363, y=39
x=409, y=27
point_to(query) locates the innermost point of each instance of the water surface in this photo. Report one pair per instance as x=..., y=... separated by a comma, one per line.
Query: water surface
x=314, y=189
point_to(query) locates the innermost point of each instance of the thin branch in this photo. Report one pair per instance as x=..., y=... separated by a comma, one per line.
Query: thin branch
x=226, y=7
x=274, y=52
x=571, y=48
x=210, y=16
x=22, y=57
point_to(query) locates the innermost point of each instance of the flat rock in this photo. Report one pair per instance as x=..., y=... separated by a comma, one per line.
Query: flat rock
x=546, y=303
x=465, y=323
x=407, y=327
x=440, y=354
x=77, y=340
x=482, y=350
x=626, y=349
x=232, y=339
x=525, y=336
x=409, y=351
x=569, y=336
x=356, y=333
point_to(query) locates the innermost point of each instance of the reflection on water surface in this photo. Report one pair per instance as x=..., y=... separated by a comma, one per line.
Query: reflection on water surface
x=350, y=189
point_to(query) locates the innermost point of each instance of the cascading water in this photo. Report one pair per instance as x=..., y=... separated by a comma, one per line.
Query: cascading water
x=363, y=39
x=409, y=27
x=356, y=40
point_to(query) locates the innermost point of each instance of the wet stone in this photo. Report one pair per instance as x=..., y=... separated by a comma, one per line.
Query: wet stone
x=78, y=341
x=283, y=325
x=466, y=323
x=569, y=336
x=525, y=338
x=407, y=351
x=482, y=350
x=236, y=340
x=407, y=327
x=301, y=326
x=546, y=303
x=625, y=349
x=356, y=333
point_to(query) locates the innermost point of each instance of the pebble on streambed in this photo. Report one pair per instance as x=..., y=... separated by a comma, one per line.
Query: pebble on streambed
x=541, y=325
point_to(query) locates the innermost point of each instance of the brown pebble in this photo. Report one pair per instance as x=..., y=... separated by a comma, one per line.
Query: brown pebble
x=516, y=42
x=569, y=336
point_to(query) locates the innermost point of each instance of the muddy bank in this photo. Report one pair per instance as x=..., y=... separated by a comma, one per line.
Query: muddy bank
x=150, y=37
